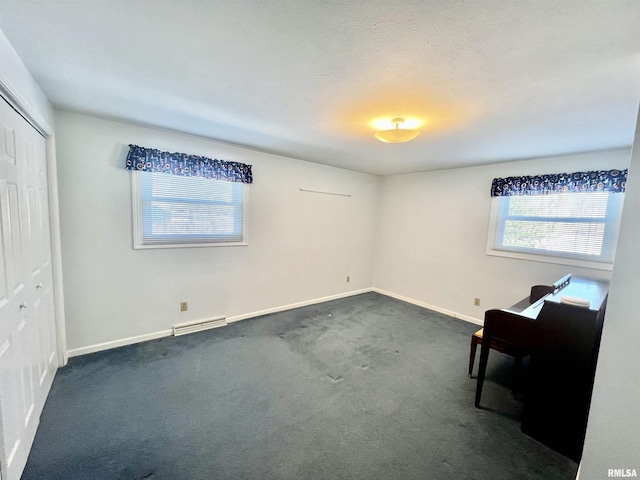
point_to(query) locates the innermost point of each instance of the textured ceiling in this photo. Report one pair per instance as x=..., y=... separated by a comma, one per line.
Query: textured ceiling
x=489, y=80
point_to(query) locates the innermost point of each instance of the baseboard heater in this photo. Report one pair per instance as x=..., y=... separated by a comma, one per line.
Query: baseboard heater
x=198, y=326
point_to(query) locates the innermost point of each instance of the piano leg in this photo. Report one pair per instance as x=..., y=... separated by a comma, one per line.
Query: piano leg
x=484, y=357
x=517, y=373
x=472, y=353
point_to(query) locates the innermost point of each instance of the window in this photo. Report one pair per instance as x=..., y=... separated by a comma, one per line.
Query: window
x=570, y=228
x=178, y=211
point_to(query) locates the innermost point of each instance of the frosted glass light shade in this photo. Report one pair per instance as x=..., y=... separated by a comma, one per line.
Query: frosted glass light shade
x=396, y=135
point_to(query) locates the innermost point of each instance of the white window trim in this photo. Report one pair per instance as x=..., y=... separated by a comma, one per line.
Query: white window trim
x=493, y=220
x=136, y=214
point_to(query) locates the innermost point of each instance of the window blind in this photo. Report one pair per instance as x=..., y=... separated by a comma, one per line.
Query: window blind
x=189, y=210
x=574, y=225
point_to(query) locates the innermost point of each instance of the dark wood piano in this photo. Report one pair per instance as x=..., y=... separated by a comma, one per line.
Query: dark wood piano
x=560, y=326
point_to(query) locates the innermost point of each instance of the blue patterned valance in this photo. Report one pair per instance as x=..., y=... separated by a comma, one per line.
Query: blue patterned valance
x=613, y=181
x=152, y=160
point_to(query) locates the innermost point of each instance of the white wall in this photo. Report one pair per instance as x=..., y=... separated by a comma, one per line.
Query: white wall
x=614, y=422
x=433, y=233
x=301, y=247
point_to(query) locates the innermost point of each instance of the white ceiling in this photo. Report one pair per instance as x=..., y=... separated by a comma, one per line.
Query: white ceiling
x=492, y=80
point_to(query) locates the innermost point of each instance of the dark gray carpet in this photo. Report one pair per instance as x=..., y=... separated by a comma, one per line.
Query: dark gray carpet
x=365, y=387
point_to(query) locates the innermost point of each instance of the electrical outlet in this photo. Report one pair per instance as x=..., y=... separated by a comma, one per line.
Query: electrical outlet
x=348, y=278
x=476, y=302
x=184, y=306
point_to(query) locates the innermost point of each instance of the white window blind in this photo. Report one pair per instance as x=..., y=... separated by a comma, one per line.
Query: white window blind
x=582, y=226
x=172, y=210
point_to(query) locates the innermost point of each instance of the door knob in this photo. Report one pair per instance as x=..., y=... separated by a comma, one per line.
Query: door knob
x=23, y=305
x=39, y=286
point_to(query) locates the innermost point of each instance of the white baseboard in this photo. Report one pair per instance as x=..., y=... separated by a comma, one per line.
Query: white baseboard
x=167, y=333
x=237, y=318
x=453, y=314
x=98, y=347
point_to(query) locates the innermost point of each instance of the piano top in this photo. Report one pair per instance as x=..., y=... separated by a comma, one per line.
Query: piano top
x=593, y=289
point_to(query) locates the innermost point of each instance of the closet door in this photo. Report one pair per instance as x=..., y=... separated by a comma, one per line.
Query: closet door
x=27, y=323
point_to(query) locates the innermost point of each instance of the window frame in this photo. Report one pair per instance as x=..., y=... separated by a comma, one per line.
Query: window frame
x=137, y=191
x=497, y=221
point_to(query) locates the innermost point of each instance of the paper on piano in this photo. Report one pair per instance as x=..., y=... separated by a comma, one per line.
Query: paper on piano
x=575, y=301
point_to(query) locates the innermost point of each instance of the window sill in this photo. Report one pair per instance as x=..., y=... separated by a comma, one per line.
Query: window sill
x=189, y=245
x=549, y=259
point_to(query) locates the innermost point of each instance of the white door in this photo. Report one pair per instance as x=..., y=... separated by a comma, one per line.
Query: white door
x=27, y=324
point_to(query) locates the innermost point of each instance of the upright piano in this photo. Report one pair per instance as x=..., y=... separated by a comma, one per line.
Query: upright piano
x=560, y=327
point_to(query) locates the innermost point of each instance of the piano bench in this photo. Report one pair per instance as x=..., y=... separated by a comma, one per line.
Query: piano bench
x=476, y=339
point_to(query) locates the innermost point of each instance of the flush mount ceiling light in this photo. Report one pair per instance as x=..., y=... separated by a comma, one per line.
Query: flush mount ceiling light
x=397, y=135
